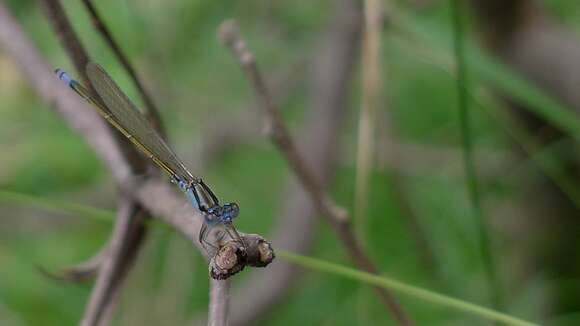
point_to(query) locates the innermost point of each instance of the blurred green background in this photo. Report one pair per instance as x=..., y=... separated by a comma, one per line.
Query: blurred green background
x=200, y=88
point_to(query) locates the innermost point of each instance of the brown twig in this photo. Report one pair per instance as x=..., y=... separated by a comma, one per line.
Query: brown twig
x=151, y=109
x=109, y=270
x=81, y=272
x=330, y=72
x=335, y=216
x=67, y=36
x=277, y=129
x=219, y=298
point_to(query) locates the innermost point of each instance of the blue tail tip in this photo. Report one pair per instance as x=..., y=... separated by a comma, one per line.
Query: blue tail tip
x=62, y=75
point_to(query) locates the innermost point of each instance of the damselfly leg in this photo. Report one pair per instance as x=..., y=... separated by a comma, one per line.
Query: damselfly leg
x=203, y=233
x=233, y=233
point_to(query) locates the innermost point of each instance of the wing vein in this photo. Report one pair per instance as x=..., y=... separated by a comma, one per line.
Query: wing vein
x=127, y=118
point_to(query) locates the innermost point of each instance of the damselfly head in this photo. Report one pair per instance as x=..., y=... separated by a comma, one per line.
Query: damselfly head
x=230, y=211
x=222, y=214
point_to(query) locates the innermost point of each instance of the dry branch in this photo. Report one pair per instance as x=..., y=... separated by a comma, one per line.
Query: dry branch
x=335, y=216
x=219, y=303
x=330, y=73
x=109, y=272
x=82, y=272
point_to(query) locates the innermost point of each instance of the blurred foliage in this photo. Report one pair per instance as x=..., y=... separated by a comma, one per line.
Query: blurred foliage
x=197, y=84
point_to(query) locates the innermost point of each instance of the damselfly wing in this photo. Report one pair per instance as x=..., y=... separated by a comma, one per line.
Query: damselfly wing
x=118, y=110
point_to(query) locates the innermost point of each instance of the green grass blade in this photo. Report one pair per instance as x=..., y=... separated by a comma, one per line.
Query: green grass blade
x=56, y=206
x=511, y=127
x=490, y=70
x=402, y=288
x=472, y=183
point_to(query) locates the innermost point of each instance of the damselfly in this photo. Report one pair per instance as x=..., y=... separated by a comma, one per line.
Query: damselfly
x=115, y=107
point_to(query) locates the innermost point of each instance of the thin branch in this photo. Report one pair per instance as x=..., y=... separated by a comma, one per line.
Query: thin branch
x=335, y=216
x=219, y=301
x=151, y=109
x=69, y=39
x=81, y=272
x=469, y=165
x=102, y=289
x=330, y=73
x=277, y=130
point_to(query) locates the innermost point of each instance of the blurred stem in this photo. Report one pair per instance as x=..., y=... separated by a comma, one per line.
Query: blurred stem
x=469, y=166
x=104, y=295
x=403, y=288
x=63, y=207
x=56, y=206
x=371, y=89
